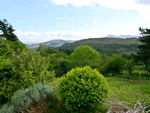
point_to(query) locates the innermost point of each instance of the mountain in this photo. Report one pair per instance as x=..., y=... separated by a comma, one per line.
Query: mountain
x=106, y=44
x=51, y=43
x=121, y=36
x=30, y=43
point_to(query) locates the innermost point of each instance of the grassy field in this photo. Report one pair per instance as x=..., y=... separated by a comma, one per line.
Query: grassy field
x=128, y=90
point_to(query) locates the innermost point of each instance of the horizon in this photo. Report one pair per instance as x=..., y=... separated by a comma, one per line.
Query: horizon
x=31, y=43
x=38, y=21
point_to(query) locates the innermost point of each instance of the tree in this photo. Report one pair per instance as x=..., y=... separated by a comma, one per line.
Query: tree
x=7, y=30
x=144, y=49
x=115, y=64
x=129, y=65
x=45, y=50
x=67, y=51
x=85, y=55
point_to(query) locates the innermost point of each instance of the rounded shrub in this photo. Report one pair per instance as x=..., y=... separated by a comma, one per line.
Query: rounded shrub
x=80, y=89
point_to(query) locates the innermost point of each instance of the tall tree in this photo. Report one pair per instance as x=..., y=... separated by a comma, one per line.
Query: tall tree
x=7, y=31
x=144, y=49
x=85, y=55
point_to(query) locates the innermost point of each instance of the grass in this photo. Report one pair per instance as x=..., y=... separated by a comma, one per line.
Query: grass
x=128, y=90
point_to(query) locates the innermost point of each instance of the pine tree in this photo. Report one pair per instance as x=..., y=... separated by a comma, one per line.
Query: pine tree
x=7, y=31
x=144, y=49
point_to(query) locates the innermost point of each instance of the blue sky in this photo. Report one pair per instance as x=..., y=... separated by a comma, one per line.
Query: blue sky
x=44, y=20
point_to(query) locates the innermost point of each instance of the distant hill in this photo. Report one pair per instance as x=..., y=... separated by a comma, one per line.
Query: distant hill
x=51, y=43
x=122, y=36
x=107, y=45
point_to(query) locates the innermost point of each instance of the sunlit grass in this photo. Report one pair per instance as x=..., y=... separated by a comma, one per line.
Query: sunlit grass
x=129, y=90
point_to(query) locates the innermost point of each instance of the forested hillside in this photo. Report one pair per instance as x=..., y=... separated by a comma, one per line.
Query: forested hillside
x=106, y=45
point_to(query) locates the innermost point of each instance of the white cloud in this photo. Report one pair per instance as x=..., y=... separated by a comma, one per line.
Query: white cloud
x=66, y=35
x=62, y=18
x=130, y=30
x=145, y=2
x=94, y=21
x=141, y=6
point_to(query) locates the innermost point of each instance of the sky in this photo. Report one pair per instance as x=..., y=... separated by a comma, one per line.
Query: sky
x=43, y=20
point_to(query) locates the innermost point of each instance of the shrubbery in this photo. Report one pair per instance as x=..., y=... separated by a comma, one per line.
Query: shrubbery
x=23, y=98
x=30, y=67
x=27, y=68
x=80, y=87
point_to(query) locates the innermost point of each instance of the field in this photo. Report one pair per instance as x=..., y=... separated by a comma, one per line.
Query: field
x=128, y=90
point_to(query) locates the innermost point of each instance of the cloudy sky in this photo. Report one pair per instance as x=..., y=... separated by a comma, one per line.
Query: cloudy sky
x=44, y=20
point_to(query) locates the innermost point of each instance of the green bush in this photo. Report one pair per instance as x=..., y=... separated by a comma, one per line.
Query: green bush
x=30, y=67
x=9, y=85
x=6, y=108
x=80, y=87
x=24, y=97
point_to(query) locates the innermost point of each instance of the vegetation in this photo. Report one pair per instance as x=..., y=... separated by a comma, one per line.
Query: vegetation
x=29, y=96
x=80, y=83
x=127, y=75
x=81, y=57
x=144, y=50
x=108, y=46
x=115, y=64
x=7, y=30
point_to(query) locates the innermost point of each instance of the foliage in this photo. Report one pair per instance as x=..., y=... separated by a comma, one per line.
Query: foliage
x=129, y=64
x=7, y=109
x=80, y=87
x=115, y=64
x=57, y=63
x=104, y=64
x=126, y=74
x=9, y=47
x=45, y=50
x=85, y=55
x=8, y=85
x=7, y=30
x=63, y=67
x=148, y=65
x=144, y=49
x=23, y=98
x=67, y=51
x=31, y=68
x=61, y=54
x=4, y=66
x=106, y=45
